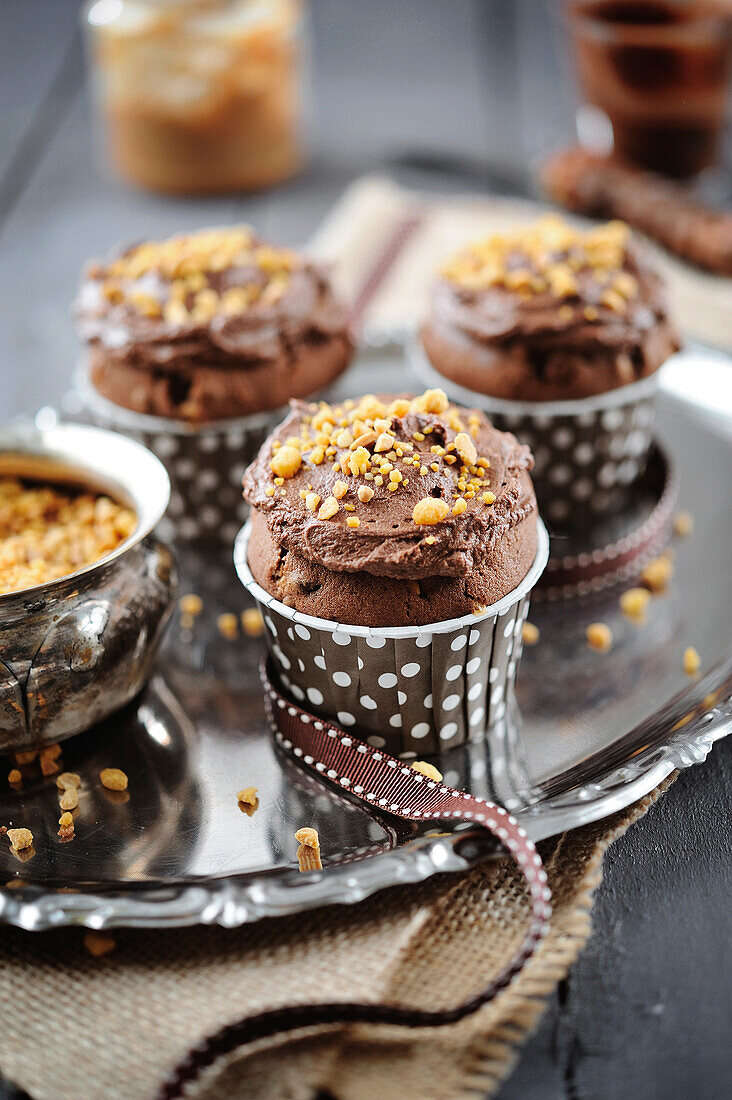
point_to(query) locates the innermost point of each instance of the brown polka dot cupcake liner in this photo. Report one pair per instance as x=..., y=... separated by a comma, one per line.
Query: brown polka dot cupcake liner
x=205, y=464
x=588, y=453
x=413, y=690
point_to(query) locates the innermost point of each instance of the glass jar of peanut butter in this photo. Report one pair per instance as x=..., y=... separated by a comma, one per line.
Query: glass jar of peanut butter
x=199, y=96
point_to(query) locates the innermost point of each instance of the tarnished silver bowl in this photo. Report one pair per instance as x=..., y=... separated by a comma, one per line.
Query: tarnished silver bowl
x=74, y=650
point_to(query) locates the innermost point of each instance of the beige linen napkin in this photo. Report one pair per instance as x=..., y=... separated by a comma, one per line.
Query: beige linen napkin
x=386, y=242
x=76, y=1026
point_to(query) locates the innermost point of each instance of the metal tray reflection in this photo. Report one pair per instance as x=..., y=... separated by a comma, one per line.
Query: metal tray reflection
x=595, y=732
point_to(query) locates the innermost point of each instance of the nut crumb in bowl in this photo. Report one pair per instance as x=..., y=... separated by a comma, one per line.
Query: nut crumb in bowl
x=47, y=533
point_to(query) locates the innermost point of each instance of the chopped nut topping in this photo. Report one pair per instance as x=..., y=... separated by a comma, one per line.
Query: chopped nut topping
x=657, y=573
x=99, y=943
x=46, y=533
x=385, y=442
x=14, y=776
x=20, y=839
x=692, y=661
x=247, y=795
x=431, y=401
x=252, y=622
x=599, y=636
x=430, y=510
x=361, y=440
x=69, y=800
x=113, y=779
x=286, y=462
x=530, y=633
x=634, y=604
x=428, y=770
x=466, y=449
x=328, y=508
x=183, y=265
x=549, y=255
x=683, y=524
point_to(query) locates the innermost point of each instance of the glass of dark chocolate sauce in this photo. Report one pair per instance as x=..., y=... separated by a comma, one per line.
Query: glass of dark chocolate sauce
x=659, y=71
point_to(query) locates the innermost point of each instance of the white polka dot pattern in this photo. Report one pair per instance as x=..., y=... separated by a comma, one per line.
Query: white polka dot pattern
x=584, y=463
x=398, y=692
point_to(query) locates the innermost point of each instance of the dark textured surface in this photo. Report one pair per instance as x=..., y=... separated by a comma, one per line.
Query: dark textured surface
x=645, y=1010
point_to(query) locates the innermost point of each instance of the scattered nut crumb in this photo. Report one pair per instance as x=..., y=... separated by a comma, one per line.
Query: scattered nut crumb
x=428, y=770
x=657, y=573
x=99, y=943
x=309, y=858
x=692, y=661
x=68, y=779
x=20, y=839
x=248, y=795
x=49, y=766
x=113, y=779
x=599, y=636
x=228, y=625
x=308, y=837
x=24, y=758
x=69, y=800
x=634, y=604
x=252, y=622
x=14, y=776
x=66, y=826
x=683, y=524
x=190, y=604
x=530, y=633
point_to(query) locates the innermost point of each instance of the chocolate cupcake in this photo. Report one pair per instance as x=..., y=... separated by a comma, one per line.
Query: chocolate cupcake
x=197, y=340
x=392, y=546
x=558, y=334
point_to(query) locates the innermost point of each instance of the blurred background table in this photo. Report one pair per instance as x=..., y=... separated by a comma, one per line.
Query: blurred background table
x=433, y=91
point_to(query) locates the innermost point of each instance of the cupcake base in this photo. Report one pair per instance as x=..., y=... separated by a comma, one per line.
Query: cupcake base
x=412, y=690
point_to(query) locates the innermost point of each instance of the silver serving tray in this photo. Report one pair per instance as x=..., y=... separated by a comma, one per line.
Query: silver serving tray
x=595, y=733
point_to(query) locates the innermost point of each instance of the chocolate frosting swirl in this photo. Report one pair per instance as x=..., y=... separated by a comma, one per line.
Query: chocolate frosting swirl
x=387, y=541
x=265, y=331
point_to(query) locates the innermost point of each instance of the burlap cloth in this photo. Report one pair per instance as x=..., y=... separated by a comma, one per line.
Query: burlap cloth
x=84, y=1028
